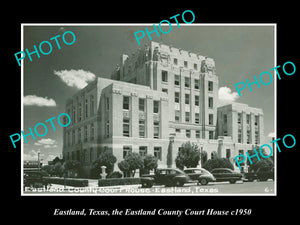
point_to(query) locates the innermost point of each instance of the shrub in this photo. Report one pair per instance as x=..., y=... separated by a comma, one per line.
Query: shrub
x=69, y=181
x=217, y=163
x=118, y=181
x=188, y=156
x=107, y=159
x=259, y=164
x=115, y=174
x=131, y=163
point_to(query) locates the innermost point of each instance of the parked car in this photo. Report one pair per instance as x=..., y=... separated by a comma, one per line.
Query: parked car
x=225, y=174
x=35, y=179
x=201, y=175
x=261, y=174
x=167, y=177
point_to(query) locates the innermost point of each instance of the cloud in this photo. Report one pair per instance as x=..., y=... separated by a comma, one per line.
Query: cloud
x=271, y=134
x=226, y=95
x=32, y=155
x=47, y=143
x=30, y=100
x=75, y=78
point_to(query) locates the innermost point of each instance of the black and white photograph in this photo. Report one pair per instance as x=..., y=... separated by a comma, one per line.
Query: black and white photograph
x=168, y=114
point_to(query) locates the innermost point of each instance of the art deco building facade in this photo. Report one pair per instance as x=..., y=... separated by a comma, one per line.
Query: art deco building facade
x=157, y=99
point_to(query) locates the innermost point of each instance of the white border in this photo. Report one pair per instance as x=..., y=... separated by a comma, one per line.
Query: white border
x=151, y=24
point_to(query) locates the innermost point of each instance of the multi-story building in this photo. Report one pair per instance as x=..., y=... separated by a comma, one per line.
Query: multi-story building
x=157, y=99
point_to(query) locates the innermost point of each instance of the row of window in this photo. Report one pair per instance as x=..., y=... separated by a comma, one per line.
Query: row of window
x=197, y=117
x=248, y=140
x=84, y=110
x=197, y=100
x=197, y=133
x=142, y=128
x=87, y=155
x=248, y=117
x=70, y=135
x=142, y=104
x=187, y=81
x=143, y=150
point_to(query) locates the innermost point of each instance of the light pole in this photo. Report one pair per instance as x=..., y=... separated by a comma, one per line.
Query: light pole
x=38, y=160
x=170, y=151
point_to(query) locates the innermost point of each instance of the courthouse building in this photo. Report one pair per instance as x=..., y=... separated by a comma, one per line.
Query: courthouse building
x=157, y=99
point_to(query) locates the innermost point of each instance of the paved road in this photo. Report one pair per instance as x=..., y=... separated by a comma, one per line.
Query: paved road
x=218, y=188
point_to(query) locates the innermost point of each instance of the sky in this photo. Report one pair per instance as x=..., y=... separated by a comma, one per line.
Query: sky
x=240, y=53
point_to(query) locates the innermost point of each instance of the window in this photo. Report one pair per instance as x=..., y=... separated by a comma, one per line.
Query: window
x=156, y=129
x=177, y=130
x=73, y=137
x=228, y=153
x=177, y=97
x=256, y=137
x=107, y=103
x=107, y=129
x=239, y=136
x=73, y=156
x=85, y=155
x=78, y=155
x=225, y=118
x=195, y=66
x=239, y=118
x=86, y=108
x=256, y=121
x=74, y=115
x=197, y=118
x=142, y=104
x=210, y=119
x=248, y=118
x=197, y=84
x=210, y=134
x=197, y=100
x=175, y=61
x=210, y=102
x=126, y=126
x=91, y=105
x=210, y=86
x=79, y=135
x=126, y=151
x=157, y=152
x=241, y=152
x=177, y=116
x=187, y=116
x=197, y=133
x=165, y=90
x=177, y=80
x=185, y=63
x=248, y=136
x=92, y=132
x=91, y=154
x=126, y=102
x=187, y=99
x=164, y=76
x=79, y=112
x=155, y=106
x=187, y=82
x=85, y=134
x=143, y=150
x=188, y=133
x=141, y=128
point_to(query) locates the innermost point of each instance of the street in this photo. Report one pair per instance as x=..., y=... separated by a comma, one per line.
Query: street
x=215, y=188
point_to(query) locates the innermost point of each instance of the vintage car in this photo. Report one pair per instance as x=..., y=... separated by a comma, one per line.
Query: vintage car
x=35, y=179
x=225, y=174
x=201, y=175
x=261, y=174
x=168, y=177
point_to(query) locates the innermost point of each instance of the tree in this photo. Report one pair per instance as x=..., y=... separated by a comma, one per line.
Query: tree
x=73, y=167
x=188, y=156
x=58, y=169
x=150, y=163
x=131, y=163
x=217, y=163
x=260, y=164
x=107, y=159
x=48, y=169
x=124, y=167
